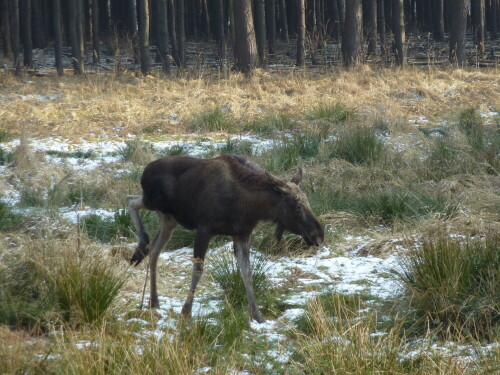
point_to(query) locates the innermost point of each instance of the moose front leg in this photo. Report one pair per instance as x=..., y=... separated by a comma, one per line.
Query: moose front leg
x=134, y=205
x=242, y=253
x=200, y=249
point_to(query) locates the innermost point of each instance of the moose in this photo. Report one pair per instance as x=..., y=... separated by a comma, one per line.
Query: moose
x=226, y=195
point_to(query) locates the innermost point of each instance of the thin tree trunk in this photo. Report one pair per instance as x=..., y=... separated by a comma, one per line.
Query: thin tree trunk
x=399, y=31
x=336, y=21
x=143, y=12
x=26, y=34
x=301, y=33
x=351, y=39
x=5, y=28
x=381, y=26
x=283, y=21
x=494, y=19
x=162, y=37
x=76, y=52
x=56, y=19
x=95, y=32
x=457, y=32
x=371, y=26
x=260, y=29
x=14, y=27
x=181, y=32
x=438, y=20
x=173, y=32
x=271, y=25
x=221, y=39
x=205, y=18
x=37, y=22
x=245, y=47
x=477, y=15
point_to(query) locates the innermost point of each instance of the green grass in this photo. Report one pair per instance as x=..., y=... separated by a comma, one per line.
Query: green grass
x=235, y=147
x=91, y=195
x=226, y=275
x=79, y=154
x=6, y=157
x=9, y=220
x=471, y=124
x=335, y=113
x=136, y=151
x=271, y=124
x=357, y=145
x=176, y=150
x=453, y=284
x=215, y=120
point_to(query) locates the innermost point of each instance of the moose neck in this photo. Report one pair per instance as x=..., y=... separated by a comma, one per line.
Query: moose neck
x=263, y=205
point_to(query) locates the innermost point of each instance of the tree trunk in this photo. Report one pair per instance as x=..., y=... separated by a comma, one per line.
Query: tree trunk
x=143, y=12
x=14, y=27
x=133, y=28
x=221, y=40
x=96, y=49
x=173, y=32
x=439, y=20
x=301, y=33
x=181, y=32
x=457, y=32
x=371, y=26
x=494, y=19
x=245, y=48
x=336, y=21
x=5, y=28
x=351, y=39
x=271, y=25
x=26, y=32
x=162, y=37
x=260, y=29
x=399, y=31
x=205, y=20
x=56, y=19
x=38, y=24
x=381, y=26
x=477, y=15
x=283, y=21
x=74, y=29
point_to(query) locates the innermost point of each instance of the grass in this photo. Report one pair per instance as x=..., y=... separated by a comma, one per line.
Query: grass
x=136, y=151
x=236, y=147
x=271, y=124
x=6, y=157
x=453, y=284
x=336, y=113
x=216, y=120
x=9, y=220
x=79, y=154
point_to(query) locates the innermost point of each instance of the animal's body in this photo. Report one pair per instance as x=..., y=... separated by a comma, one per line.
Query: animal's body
x=226, y=195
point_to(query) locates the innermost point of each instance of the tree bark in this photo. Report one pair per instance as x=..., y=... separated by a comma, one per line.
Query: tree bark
x=74, y=29
x=351, y=39
x=371, y=26
x=143, y=12
x=26, y=32
x=181, y=32
x=96, y=49
x=56, y=19
x=271, y=25
x=477, y=15
x=5, y=28
x=399, y=31
x=301, y=33
x=439, y=20
x=381, y=26
x=245, y=49
x=162, y=37
x=283, y=21
x=260, y=29
x=173, y=32
x=457, y=32
x=221, y=39
x=38, y=24
x=14, y=27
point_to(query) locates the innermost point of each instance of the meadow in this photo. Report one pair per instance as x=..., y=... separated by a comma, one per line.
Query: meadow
x=401, y=167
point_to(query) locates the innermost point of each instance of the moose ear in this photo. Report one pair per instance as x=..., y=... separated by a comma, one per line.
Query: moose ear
x=297, y=177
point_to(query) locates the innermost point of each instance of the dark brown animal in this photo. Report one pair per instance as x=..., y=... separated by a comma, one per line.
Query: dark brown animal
x=226, y=195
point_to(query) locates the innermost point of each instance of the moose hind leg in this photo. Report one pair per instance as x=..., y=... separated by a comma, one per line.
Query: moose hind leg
x=200, y=248
x=135, y=204
x=242, y=253
x=166, y=227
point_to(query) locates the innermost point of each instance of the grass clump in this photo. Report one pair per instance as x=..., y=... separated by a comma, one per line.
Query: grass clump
x=453, y=284
x=9, y=220
x=275, y=122
x=236, y=147
x=215, y=120
x=358, y=145
x=336, y=113
x=91, y=195
x=6, y=157
x=110, y=229
x=136, y=151
x=471, y=124
x=226, y=274
x=78, y=154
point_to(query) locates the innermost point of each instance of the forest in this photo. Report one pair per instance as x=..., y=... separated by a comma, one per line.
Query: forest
x=244, y=34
